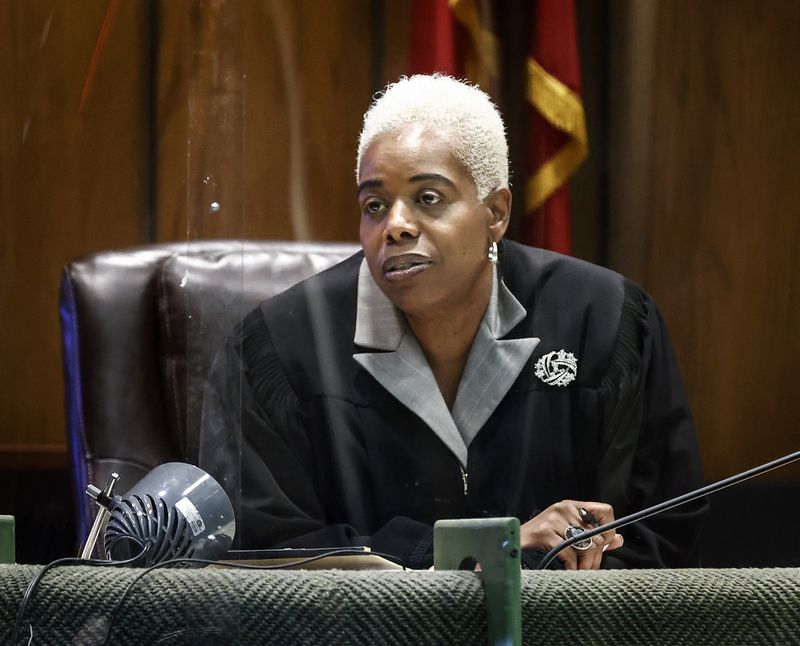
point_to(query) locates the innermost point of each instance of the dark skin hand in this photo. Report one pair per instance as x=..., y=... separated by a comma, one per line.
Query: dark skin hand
x=546, y=530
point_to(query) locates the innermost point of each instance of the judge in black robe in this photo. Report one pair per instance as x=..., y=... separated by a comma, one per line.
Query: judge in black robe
x=323, y=424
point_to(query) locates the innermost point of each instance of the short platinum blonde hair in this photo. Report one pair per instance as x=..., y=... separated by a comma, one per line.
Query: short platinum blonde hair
x=463, y=115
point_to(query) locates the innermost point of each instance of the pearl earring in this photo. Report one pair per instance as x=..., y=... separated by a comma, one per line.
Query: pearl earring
x=493, y=256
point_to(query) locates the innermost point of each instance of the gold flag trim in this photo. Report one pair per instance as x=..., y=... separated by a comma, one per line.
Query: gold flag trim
x=564, y=110
x=482, y=65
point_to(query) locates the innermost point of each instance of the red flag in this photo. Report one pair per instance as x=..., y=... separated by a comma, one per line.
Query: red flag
x=456, y=37
x=436, y=39
x=557, y=132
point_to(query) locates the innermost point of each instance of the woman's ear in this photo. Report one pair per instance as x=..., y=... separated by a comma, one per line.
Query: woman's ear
x=499, y=204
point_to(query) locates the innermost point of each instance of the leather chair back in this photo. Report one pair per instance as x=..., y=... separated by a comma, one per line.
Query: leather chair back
x=140, y=328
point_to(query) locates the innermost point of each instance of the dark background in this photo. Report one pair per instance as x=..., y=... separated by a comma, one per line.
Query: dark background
x=691, y=188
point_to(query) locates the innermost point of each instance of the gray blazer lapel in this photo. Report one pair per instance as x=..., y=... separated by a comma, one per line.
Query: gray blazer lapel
x=379, y=324
x=493, y=364
x=406, y=375
x=492, y=368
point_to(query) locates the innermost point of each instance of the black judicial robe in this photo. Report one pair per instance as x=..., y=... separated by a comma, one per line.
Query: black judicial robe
x=314, y=452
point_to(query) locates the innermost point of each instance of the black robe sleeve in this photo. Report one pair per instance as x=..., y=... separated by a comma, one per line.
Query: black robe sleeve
x=650, y=452
x=255, y=442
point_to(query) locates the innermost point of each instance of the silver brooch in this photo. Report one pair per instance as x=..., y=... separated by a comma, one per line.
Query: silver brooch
x=557, y=368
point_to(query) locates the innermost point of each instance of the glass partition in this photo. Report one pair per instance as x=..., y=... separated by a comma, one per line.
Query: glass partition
x=173, y=166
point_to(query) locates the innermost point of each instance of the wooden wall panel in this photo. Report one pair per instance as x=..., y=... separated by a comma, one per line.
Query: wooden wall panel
x=259, y=108
x=257, y=105
x=254, y=105
x=199, y=119
x=74, y=177
x=725, y=228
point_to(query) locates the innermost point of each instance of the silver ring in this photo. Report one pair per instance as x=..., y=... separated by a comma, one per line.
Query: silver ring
x=572, y=531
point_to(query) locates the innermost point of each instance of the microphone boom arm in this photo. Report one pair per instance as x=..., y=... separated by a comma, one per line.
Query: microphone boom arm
x=668, y=504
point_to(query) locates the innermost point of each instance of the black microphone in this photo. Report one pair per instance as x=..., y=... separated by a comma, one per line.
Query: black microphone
x=667, y=504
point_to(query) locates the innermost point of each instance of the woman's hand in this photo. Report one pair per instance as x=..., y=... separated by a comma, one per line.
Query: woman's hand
x=546, y=530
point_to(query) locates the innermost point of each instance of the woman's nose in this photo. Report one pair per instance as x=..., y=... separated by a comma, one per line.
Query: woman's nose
x=400, y=224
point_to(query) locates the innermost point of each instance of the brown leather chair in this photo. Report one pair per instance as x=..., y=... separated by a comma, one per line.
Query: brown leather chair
x=140, y=328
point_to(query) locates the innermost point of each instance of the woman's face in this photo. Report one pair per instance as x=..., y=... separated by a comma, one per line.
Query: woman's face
x=424, y=231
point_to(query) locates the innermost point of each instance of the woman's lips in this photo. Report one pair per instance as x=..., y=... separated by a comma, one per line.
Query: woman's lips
x=405, y=266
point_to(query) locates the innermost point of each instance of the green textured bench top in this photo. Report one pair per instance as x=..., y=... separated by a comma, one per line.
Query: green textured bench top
x=214, y=606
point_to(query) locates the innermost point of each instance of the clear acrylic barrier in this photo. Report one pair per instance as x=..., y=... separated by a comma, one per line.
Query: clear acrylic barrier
x=201, y=136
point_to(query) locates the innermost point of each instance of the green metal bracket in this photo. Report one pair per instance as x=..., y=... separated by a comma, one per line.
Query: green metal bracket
x=7, y=554
x=494, y=543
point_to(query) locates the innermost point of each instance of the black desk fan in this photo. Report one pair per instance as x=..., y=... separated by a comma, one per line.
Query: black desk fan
x=176, y=511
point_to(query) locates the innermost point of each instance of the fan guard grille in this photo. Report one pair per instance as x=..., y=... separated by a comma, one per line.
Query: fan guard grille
x=138, y=521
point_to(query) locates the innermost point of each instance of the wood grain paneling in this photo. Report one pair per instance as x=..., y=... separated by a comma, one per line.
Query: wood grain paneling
x=73, y=178
x=254, y=105
x=259, y=108
x=721, y=250
x=200, y=119
x=257, y=105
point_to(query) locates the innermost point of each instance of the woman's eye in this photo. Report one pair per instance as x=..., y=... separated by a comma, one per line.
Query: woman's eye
x=430, y=198
x=372, y=206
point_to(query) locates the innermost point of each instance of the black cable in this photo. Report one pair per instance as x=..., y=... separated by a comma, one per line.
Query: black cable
x=242, y=566
x=668, y=504
x=71, y=560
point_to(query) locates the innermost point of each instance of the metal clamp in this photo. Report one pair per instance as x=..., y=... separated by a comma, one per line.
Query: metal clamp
x=100, y=497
